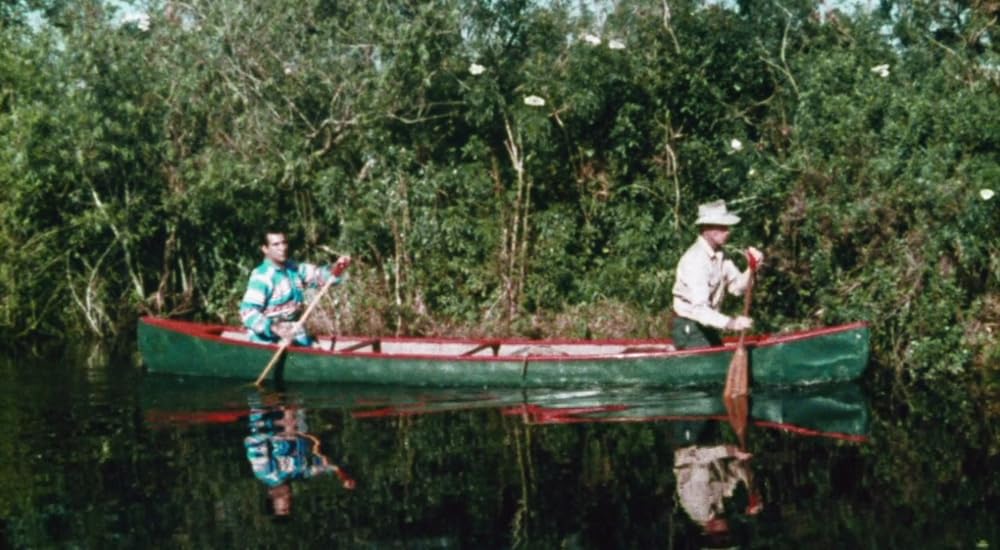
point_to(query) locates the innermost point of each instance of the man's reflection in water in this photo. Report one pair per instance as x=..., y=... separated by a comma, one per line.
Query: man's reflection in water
x=714, y=484
x=280, y=450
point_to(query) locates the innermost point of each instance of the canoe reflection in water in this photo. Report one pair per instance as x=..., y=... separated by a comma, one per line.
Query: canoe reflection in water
x=280, y=449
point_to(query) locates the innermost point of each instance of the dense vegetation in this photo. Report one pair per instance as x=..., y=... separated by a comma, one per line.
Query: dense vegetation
x=511, y=166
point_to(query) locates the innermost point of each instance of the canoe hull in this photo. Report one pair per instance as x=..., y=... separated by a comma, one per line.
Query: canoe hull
x=828, y=355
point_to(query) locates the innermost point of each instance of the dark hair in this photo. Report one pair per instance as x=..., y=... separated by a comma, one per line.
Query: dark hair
x=271, y=231
x=269, y=497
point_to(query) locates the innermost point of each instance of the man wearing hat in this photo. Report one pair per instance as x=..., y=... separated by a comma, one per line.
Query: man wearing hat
x=703, y=277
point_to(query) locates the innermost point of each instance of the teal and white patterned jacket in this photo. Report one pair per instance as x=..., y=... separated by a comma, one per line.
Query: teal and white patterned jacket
x=277, y=294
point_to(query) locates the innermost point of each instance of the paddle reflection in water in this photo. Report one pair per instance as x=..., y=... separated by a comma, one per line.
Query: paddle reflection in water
x=281, y=449
x=738, y=411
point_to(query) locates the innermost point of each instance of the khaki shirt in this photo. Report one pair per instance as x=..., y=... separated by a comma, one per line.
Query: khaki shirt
x=703, y=277
x=706, y=477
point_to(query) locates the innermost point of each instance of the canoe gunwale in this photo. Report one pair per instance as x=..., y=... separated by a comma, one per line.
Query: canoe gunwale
x=214, y=333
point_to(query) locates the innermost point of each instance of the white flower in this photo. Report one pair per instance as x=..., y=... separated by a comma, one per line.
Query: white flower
x=751, y=173
x=140, y=19
x=881, y=70
x=986, y=194
x=476, y=69
x=289, y=68
x=616, y=44
x=534, y=101
x=592, y=40
x=736, y=145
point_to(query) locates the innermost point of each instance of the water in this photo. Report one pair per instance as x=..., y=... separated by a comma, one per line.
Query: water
x=102, y=455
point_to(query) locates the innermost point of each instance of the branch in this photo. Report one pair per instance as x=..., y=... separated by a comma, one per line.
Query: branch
x=670, y=30
x=783, y=68
x=136, y=282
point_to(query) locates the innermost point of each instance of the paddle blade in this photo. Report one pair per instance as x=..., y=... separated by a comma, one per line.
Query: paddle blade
x=738, y=411
x=738, y=378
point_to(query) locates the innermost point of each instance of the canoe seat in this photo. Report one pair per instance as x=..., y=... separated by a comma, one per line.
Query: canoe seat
x=375, y=343
x=492, y=344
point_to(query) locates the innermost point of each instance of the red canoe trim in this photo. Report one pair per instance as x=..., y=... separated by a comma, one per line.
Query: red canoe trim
x=546, y=415
x=195, y=417
x=799, y=430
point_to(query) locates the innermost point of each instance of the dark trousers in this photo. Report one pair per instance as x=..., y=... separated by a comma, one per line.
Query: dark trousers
x=688, y=334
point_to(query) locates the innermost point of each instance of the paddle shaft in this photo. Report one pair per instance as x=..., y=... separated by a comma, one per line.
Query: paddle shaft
x=346, y=480
x=746, y=302
x=298, y=326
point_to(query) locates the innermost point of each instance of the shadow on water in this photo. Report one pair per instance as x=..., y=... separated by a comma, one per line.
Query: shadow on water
x=106, y=456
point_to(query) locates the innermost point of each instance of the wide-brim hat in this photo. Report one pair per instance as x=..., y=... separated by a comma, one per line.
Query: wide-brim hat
x=715, y=213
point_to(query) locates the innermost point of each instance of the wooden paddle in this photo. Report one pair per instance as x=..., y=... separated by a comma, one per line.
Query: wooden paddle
x=338, y=268
x=346, y=480
x=738, y=378
x=736, y=394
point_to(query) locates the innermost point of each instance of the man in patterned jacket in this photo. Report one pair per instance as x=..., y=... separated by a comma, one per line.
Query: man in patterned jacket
x=275, y=294
x=281, y=450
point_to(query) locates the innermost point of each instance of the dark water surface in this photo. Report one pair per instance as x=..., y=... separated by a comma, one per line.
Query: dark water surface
x=100, y=454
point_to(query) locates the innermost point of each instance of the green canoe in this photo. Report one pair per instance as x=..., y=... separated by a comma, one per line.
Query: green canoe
x=833, y=354
x=829, y=410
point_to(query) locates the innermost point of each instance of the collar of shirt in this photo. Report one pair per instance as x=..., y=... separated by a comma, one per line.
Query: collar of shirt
x=276, y=266
x=714, y=255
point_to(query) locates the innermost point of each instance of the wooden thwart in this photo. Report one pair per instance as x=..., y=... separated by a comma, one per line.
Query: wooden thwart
x=492, y=344
x=375, y=343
